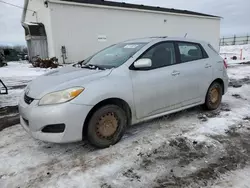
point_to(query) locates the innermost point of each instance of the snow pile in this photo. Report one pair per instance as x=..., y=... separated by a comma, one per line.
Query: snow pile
x=236, y=179
x=20, y=69
x=16, y=76
x=238, y=72
x=235, y=50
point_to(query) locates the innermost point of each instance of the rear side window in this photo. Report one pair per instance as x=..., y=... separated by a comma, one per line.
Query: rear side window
x=212, y=48
x=191, y=51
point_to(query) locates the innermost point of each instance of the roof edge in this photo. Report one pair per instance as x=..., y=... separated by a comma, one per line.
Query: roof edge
x=137, y=7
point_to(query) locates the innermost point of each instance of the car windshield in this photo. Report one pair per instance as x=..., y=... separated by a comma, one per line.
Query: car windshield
x=113, y=56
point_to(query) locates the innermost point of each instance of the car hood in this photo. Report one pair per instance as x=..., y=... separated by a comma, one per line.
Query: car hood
x=63, y=78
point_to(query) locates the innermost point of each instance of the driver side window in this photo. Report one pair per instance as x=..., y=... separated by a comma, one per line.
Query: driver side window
x=161, y=55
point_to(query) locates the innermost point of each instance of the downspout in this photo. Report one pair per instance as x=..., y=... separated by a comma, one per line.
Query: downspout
x=25, y=6
x=25, y=9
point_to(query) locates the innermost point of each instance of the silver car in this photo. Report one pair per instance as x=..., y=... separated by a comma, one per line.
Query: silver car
x=124, y=84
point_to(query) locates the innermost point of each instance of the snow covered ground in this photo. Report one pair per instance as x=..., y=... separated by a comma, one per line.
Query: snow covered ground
x=193, y=148
x=16, y=76
x=237, y=179
x=235, y=50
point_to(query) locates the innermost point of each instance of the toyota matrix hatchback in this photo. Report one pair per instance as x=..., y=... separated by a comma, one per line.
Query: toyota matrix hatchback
x=124, y=84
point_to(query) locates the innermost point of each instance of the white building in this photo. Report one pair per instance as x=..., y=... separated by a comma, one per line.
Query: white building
x=71, y=30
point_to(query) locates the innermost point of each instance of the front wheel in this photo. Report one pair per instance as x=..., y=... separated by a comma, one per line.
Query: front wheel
x=214, y=96
x=107, y=126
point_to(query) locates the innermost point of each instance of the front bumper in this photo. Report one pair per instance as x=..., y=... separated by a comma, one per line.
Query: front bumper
x=34, y=118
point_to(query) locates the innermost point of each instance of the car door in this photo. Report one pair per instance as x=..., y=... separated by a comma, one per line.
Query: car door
x=196, y=72
x=156, y=88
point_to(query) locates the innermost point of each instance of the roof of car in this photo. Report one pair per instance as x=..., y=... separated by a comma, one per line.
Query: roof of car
x=162, y=38
x=142, y=40
x=142, y=7
x=184, y=39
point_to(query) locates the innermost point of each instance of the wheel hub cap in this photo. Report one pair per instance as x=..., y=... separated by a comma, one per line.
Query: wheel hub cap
x=107, y=125
x=214, y=95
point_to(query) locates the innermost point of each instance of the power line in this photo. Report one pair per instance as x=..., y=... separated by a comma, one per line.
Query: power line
x=17, y=6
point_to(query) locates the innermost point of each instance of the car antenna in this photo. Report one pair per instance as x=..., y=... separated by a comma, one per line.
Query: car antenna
x=185, y=35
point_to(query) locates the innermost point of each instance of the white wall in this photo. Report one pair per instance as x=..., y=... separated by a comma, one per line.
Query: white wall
x=42, y=15
x=78, y=28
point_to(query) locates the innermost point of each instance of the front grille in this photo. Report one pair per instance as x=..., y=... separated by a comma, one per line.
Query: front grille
x=28, y=99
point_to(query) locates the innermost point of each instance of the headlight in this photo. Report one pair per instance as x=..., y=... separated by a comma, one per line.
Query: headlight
x=61, y=96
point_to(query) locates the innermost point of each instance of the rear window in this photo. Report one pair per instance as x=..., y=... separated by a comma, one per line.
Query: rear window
x=191, y=51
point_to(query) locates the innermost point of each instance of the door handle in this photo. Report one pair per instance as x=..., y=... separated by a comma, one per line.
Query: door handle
x=208, y=66
x=175, y=73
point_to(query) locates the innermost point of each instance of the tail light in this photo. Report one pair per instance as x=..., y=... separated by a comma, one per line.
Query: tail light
x=225, y=64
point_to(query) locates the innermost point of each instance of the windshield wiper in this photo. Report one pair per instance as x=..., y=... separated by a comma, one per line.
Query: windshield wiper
x=79, y=63
x=91, y=66
x=88, y=66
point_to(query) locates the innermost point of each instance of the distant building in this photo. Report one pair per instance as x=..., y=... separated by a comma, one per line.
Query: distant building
x=72, y=30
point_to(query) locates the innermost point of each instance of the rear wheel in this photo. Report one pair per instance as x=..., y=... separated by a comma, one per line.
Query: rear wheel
x=107, y=126
x=214, y=96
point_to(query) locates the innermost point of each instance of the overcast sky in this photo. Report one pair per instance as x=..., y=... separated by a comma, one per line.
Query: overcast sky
x=235, y=13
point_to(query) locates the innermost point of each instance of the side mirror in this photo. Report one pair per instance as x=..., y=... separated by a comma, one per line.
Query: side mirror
x=143, y=63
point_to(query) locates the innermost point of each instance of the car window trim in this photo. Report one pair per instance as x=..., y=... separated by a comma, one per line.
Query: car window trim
x=177, y=59
x=177, y=53
x=204, y=53
x=213, y=49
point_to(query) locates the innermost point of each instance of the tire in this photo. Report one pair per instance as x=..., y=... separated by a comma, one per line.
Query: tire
x=107, y=126
x=213, y=97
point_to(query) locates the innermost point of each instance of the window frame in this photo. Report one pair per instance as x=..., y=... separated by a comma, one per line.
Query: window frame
x=203, y=52
x=213, y=49
x=177, y=57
